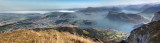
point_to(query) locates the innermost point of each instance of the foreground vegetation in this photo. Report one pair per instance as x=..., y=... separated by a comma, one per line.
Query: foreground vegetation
x=47, y=36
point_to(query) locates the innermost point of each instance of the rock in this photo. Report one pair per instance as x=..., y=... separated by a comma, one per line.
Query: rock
x=147, y=33
x=156, y=16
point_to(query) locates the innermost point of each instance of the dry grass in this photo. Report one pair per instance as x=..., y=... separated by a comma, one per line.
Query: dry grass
x=48, y=36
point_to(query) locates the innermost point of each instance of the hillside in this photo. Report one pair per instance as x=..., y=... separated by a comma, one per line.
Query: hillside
x=47, y=36
x=99, y=35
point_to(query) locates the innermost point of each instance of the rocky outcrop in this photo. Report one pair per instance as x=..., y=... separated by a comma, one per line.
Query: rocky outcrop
x=147, y=33
x=129, y=18
x=156, y=16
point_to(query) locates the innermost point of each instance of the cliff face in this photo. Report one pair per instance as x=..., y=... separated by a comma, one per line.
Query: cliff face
x=147, y=33
x=156, y=16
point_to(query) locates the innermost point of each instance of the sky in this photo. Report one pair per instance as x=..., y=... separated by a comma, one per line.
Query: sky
x=63, y=4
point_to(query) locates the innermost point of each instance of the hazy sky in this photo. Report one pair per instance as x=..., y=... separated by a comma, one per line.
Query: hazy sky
x=60, y=4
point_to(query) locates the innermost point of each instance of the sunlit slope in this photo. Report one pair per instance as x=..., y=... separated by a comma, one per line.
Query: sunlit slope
x=47, y=36
x=100, y=35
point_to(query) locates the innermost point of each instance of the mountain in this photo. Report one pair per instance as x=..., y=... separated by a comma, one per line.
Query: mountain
x=149, y=12
x=60, y=15
x=129, y=18
x=139, y=7
x=147, y=33
x=152, y=9
x=99, y=9
x=46, y=20
x=133, y=7
x=9, y=18
x=47, y=36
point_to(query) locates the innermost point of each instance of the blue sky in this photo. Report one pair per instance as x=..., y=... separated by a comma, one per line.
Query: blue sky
x=61, y=4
